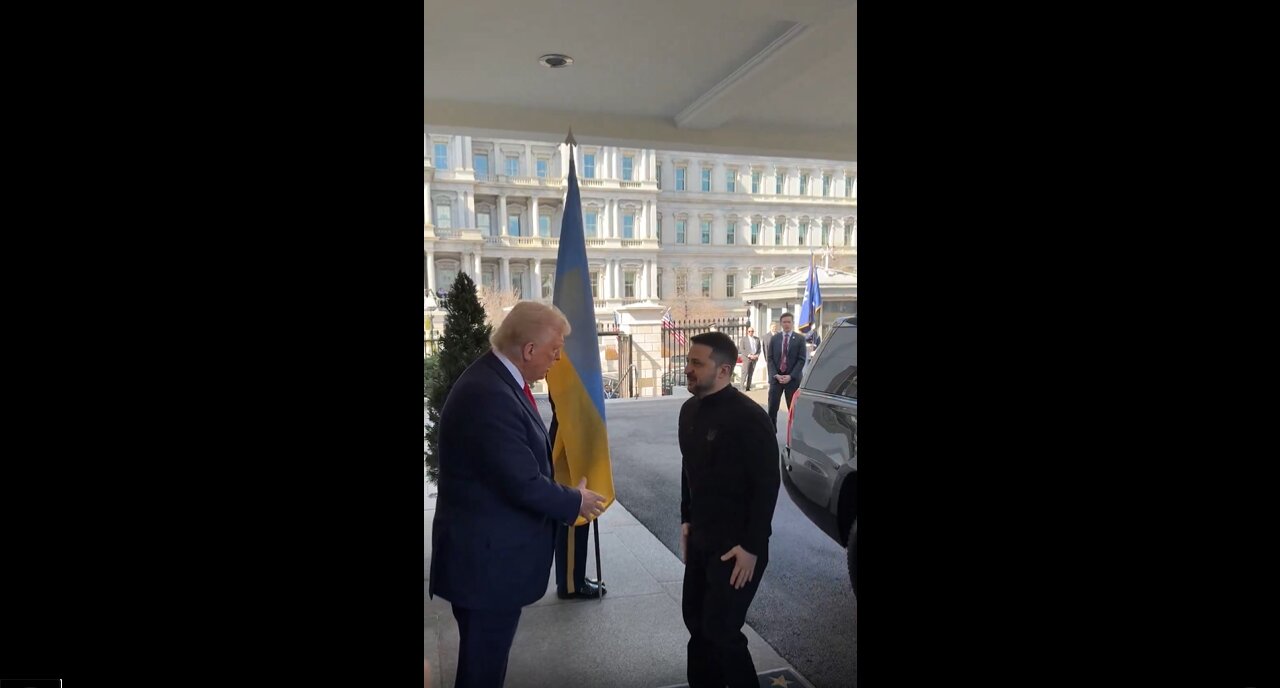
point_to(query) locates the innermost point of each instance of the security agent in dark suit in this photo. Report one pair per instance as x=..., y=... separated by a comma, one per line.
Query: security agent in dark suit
x=498, y=505
x=786, y=370
x=749, y=348
x=728, y=490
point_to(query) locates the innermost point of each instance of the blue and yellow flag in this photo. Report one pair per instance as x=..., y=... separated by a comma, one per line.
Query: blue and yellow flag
x=812, y=302
x=580, y=443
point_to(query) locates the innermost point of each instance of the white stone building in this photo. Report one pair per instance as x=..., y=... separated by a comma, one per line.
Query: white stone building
x=659, y=223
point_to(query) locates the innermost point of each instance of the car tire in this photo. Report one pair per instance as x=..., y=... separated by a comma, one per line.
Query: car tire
x=851, y=552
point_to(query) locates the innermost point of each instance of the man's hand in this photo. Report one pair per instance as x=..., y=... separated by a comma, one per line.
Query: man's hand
x=783, y=379
x=744, y=566
x=592, y=503
x=753, y=356
x=684, y=542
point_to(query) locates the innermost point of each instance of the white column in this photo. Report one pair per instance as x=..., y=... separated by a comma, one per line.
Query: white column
x=617, y=279
x=717, y=176
x=431, y=271
x=469, y=209
x=467, y=157
x=533, y=214
x=530, y=168
x=426, y=201
x=478, y=276
x=536, y=264
x=455, y=152
x=504, y=282
x=617, y=219
x=502, y=215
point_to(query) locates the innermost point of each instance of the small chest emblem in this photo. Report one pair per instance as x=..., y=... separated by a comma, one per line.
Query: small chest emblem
x=711, y=434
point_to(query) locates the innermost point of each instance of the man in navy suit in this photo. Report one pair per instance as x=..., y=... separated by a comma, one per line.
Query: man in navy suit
x=498, y=506
x=786, y=364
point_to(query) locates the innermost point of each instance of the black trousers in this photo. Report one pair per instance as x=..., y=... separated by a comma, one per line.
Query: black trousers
x=563, y=579
x=714, y=612
x=750, y=367
x=484, y=644
x=775, y=397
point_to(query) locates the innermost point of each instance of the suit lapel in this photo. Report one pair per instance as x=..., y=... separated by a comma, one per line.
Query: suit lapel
x=505, y=376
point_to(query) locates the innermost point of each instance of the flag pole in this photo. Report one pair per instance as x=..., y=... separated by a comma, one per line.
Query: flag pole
x=599, y=575
x=819, y=325
x=569, y=141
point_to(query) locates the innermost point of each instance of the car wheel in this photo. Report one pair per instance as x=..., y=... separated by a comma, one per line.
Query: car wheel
x=852, y=554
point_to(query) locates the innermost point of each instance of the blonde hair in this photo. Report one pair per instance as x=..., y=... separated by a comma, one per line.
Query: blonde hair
x=528, y=321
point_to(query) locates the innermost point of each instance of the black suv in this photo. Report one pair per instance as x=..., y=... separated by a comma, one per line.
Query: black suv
x=820, y=456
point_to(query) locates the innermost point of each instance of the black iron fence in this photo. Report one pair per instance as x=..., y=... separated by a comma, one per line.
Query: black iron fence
x=617, y=364
x=675, y=344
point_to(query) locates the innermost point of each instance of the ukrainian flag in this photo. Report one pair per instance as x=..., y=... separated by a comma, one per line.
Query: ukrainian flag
x=580, y=443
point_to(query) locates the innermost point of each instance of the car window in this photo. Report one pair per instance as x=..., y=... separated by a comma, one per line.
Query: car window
x=836, y=370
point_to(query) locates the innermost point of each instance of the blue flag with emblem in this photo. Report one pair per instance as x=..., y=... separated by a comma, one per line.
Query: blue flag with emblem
x=812, y=302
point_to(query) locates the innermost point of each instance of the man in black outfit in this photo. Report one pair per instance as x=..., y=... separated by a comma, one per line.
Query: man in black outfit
x=728, y=489
x=787, y=353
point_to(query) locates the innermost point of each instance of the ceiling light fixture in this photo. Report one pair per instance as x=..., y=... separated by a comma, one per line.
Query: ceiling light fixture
x=555, y=60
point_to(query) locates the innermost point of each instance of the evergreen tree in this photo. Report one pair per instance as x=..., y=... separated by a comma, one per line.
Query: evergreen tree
x=466, y=338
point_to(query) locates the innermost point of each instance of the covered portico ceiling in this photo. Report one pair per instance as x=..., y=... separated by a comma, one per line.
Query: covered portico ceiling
x=750, y=76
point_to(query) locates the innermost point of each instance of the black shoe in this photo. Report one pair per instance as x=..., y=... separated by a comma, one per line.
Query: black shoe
x=590, y=590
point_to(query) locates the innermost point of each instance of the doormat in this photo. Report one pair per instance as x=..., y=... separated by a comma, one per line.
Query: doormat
x=778, y=678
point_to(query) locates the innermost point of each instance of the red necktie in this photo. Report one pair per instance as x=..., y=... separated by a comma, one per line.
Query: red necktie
x=786, y=339
x=529, y=393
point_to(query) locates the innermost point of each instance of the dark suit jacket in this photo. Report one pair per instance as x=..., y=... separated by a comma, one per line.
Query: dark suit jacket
x=796, y=354
x=729, y=478
x=494, y=531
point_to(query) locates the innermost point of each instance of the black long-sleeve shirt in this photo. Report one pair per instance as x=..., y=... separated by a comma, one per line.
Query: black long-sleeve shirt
x=729, y=483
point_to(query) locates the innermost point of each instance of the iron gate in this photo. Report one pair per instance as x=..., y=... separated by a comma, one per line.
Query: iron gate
x=675, y=345
x=617, y=362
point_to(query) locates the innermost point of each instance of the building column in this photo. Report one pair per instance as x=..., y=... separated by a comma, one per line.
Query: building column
x=533, y=214
x=468, y=160
x=431, y=271
x=617, y=279
x=504, y=282
x=455, y=152
x=478, y=273
x=468, y=209
x=502, y=215
x=536, y=265
x=426, y=201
